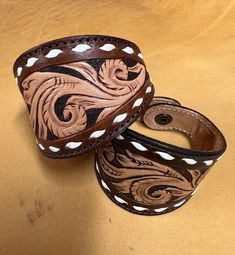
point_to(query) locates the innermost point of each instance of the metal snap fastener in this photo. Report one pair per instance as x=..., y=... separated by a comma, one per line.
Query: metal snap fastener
x=163, y=119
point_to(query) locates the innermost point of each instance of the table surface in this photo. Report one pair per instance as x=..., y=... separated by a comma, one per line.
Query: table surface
x=56, y=206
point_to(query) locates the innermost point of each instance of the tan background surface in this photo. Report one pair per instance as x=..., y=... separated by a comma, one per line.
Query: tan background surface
x=189, y=48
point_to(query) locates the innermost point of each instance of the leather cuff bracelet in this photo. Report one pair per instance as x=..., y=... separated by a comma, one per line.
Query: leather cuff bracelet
x=150, y=177
x=82, y=91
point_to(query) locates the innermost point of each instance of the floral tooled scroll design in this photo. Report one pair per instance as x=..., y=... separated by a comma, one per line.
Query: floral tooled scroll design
x=106, y=89
x=146, y=181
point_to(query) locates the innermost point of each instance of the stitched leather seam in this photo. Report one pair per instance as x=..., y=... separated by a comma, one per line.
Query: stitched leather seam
x=192, y=115
x=213, y=130
x=174, y=128
x=205, y=123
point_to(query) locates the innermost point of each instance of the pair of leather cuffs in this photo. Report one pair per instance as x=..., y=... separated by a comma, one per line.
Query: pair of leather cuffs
x=83, y=92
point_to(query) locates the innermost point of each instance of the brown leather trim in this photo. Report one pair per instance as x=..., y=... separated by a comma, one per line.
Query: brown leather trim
x=66, y=45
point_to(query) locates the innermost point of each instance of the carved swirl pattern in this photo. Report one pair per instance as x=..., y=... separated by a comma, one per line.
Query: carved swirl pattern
x=83, y=89
x=143, y=180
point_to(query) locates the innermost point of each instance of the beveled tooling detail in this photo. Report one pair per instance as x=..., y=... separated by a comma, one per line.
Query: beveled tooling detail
x=149, y=177
x=146, y=181
x=80, y=91
x=105, y=91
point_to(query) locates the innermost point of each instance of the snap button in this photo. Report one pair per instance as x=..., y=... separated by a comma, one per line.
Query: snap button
x=163, y=119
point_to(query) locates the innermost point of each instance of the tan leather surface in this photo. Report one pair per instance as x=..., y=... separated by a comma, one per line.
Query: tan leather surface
x=56, y=206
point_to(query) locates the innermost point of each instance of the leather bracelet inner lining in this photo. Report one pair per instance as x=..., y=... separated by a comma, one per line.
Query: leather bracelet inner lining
x=202, y=134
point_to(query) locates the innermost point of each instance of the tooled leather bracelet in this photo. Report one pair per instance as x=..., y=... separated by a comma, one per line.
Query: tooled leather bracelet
x=82, y=91
x=150, y=177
